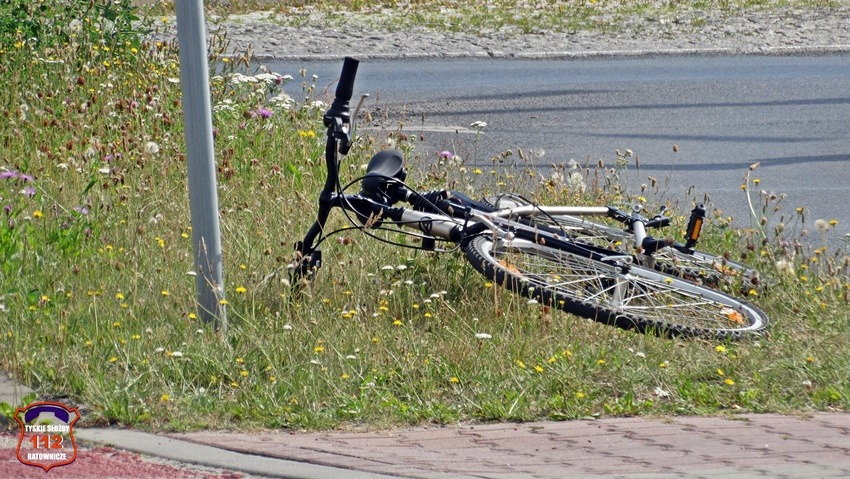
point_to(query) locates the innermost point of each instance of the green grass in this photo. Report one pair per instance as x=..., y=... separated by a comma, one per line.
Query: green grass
x=97, y=303
x=502, y=16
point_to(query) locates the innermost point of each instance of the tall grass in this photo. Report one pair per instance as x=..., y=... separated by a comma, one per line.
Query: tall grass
x=96, y=301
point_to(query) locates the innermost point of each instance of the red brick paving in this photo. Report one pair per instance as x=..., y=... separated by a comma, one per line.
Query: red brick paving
x=754, y=445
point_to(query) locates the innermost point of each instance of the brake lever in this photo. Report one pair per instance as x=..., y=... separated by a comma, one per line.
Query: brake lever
x=356, y=112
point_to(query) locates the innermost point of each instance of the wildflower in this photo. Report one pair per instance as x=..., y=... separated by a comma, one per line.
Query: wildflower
x=660, y=392
x=136, y=336
x=833, y=222
x=445, y=154
x=729, y=381
x=538, y=368
x=113, y=359
x=477, y=171
x=287, y=327
x=344, y=376
x=551, y=360
x=223, y=302
x=244, y=373
x=116, y=324
x=397, y=322
x=264, y=113
x=193, y=316
x=165, y=292
x=454, y=380
x=720, y=372
x=810, y=359
x=272, y=379
x=319, y=349
x=152, y=148
x=241, y=289
x=483, y=336
x=664, y=364
x=176, y=354
x=37, y=214
x=165, y=398
x=29, y=192
x=720, y=349
x=580, y=395
x=478, y=124
x=159, y=350
x=520, y=363
x=600, y=362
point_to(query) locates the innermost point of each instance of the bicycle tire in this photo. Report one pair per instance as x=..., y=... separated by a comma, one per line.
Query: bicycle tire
x=626, y=296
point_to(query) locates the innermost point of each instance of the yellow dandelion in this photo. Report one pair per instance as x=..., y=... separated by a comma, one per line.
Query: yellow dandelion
x=243, y=266
x=223, y=301
x=428, y=315
x=37, y=214
x=567, y=353
x=580, y=395
x=720, y=349
x=488, y=284
x=319, y=349
x=551, y=360
x=454, y=379
x=116, y=324
x=538, y=368
x=119, y=295
x=833, y=222
x=729, y=381
x=89, y=344
x=136, y=337
x=344, y=376
x=113, y=359
x=193, y=316
x=397, y=322
x=165, y=292
x=164, y=398
x=240, y=361
x=272, y=379
x=244, y=373
x=241, y=290
x=720, y=372
x=810, y=359
x=520, y=363
x=600, y=362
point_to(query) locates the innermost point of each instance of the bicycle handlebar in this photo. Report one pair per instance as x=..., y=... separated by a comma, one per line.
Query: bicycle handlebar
x=344, y=90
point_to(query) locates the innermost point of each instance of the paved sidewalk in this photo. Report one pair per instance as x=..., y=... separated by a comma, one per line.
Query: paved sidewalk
x=749, y=446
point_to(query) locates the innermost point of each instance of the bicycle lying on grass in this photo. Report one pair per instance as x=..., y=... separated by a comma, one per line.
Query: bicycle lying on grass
x=549, y=253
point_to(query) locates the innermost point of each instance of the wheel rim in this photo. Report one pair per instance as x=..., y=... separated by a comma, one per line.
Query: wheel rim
x=644, y=296
x=695, y=267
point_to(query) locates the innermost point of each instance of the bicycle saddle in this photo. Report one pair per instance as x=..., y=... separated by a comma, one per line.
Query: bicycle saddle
x=375, y=184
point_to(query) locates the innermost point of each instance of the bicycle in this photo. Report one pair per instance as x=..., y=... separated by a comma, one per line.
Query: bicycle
x=524, y=247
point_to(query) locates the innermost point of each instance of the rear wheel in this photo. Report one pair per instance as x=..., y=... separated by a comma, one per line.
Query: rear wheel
x=626, y=296
x=698, y=267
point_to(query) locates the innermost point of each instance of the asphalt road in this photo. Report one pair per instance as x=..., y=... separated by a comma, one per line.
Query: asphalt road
x=791, y=114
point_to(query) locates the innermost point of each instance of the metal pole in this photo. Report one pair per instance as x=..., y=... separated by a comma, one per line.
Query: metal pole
x=203, y=197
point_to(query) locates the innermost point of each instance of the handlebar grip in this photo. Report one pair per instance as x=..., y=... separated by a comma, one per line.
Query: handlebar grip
x=345, y=87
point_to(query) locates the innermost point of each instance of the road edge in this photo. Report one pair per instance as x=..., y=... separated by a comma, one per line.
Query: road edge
x=829, y=49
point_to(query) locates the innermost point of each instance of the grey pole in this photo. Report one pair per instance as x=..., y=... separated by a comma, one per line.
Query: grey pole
x=203, y=197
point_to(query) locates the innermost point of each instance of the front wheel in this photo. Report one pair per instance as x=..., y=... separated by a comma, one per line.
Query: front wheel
x=626, y=296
